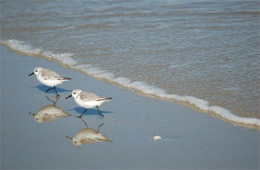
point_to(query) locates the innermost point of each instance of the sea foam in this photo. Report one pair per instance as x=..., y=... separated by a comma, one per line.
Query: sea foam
x=21, y=47
x=137, y=86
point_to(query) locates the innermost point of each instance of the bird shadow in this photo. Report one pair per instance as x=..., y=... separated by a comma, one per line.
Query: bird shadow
x=43, y=88
x=80, y=110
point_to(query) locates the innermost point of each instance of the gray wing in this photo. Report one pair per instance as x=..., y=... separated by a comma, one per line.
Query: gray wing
x=49, y=74
x=86, y=96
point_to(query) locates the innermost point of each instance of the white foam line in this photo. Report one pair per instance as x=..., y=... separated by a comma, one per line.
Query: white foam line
x=160, y=93
x=139, y=86
x=20, y=46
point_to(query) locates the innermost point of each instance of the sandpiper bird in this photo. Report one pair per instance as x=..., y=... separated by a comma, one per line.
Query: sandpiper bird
x=89, y=135
x=88, y=100
x=49, y=112
x=49, y=78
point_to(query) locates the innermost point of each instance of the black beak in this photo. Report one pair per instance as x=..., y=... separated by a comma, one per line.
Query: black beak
x=69, y=96
x=31, y=74
x=69, y=137
x=33, y=114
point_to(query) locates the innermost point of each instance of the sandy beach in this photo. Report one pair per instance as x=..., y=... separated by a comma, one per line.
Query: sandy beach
x=190, y=139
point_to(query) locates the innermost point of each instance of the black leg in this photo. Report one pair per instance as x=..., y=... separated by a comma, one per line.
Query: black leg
x=100, y=127
x=49, y=89
x=56, y=91
x=82, y=113
x=102, y=116
x=84, y=122
x=54, y=102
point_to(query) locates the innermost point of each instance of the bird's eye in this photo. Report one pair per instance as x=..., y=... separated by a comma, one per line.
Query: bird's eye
x=35, y=70
x=74, y=93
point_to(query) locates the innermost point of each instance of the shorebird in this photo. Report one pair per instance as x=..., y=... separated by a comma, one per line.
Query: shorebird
x=49, y=78
x=88, y=100
x=88, y=136
x=49, y=112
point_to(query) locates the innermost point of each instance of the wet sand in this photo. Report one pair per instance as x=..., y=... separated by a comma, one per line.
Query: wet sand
x=190, y=139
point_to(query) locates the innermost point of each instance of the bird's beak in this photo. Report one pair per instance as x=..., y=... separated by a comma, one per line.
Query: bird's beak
x=33, y=114
x=69, y=137
x=31, y=74
x=69, y=96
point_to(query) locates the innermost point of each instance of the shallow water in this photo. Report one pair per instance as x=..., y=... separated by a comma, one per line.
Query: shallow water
x=208, y=50
x=190, y=140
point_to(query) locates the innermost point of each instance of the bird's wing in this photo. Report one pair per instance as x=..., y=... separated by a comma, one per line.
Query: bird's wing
x=86, y=96
x=51, y=75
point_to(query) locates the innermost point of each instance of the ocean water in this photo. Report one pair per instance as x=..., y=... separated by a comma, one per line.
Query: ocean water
x=204, y=54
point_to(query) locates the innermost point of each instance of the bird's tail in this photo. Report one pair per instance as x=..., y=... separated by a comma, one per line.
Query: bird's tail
x=105, y=98
x=66, y=78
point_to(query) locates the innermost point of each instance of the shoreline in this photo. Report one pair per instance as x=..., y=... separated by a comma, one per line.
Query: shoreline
x=190, y=140
x=194, y=103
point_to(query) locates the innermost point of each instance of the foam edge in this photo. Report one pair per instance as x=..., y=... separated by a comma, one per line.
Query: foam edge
x=140, y=87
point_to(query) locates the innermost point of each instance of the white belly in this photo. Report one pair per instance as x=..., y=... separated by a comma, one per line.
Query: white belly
x=89, y=104
x=49, y=82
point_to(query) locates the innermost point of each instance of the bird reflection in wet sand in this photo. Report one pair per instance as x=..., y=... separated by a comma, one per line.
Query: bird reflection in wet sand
x=49, y=112
x=89, y=135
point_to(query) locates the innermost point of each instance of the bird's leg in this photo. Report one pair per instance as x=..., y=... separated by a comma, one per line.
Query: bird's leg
x=102, y=116
x=100, y=127
x=56, y=91
x=82, y=114
x=49, y=89
x=84, y=122
x=57, y=98
x=54, y=103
